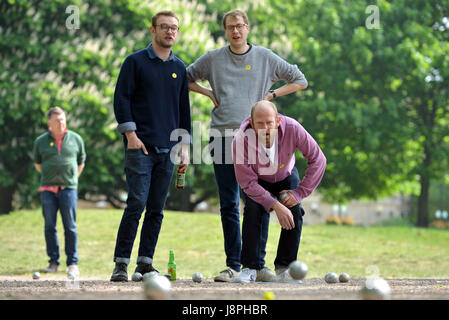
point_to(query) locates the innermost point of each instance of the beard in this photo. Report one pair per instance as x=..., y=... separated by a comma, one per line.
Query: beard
x=164, y=43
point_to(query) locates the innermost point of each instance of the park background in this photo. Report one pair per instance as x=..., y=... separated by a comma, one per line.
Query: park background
x=377, y=104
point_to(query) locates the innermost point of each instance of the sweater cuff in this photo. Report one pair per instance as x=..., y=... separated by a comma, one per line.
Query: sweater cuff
x=268, y=203
x=126, y=126
x=302, y=82
x=296, y=195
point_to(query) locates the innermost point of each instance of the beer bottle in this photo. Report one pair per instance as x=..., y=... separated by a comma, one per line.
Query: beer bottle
x=180, y=179
x=172, y=266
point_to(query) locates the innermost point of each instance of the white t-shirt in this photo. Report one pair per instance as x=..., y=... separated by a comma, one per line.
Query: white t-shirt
x=270, y=152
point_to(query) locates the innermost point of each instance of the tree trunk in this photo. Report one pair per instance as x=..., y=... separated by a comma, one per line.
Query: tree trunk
x=6, y=194
x=423, y=202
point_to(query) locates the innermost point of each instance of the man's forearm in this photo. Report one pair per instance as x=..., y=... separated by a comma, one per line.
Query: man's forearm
x=195, y=87
x=80, y=169
x=289, y=88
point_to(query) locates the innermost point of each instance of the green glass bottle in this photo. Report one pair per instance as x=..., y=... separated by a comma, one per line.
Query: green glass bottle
x=172, y=266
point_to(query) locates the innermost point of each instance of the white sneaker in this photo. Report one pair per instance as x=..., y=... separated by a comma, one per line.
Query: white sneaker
x=227, y=275
x=73, y=272
x=283, y=276
x=246, y=276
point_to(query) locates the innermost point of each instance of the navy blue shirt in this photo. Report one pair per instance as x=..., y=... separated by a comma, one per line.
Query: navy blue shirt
x=152, y=98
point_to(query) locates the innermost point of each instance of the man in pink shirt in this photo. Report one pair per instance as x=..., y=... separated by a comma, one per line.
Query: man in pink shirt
x=264, y=158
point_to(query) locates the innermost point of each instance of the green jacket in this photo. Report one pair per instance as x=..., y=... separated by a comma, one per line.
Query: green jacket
x=59, y=168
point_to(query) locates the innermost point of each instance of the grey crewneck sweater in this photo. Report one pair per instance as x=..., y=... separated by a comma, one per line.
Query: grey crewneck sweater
x=240, y=80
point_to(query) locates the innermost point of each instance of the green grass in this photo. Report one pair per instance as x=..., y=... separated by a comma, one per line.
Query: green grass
x=196, y=238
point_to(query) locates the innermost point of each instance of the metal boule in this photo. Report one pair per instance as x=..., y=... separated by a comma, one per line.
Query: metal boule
x=157, y=287
x=344, y=277
x=331, y=277
x=197, y=277
x=298, y=270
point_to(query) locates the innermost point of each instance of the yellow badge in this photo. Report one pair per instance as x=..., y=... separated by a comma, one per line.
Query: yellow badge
x=282, y=165
x=174, y=75
x=52, y=144
x=248, y=67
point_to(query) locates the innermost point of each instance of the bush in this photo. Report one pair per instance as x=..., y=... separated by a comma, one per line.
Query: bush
x=440, y=224
x=348, y=221
x=333, y=220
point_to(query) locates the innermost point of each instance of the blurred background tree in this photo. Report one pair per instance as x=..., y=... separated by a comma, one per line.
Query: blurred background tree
x=377, y=101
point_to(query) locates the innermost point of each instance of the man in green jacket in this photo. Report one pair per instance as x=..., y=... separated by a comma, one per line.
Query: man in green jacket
x=59, y=156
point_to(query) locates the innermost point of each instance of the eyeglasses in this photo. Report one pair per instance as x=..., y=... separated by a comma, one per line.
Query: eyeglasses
x=238, y=26
x=166, y=27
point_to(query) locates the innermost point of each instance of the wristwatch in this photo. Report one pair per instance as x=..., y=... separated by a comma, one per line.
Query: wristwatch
x=273, y=93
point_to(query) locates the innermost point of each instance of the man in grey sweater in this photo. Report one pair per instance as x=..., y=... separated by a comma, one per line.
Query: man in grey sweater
x=239, y=75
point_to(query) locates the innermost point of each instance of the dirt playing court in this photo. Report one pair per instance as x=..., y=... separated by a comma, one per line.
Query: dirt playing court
x=59, y=288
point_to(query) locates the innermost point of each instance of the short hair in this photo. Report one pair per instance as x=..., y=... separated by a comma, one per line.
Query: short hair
x=54, y=110
x=167, y=13
x=235, y=13
x=257, y=103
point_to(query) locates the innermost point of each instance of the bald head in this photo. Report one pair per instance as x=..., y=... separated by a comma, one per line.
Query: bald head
x=264, y=107
x=265, y=121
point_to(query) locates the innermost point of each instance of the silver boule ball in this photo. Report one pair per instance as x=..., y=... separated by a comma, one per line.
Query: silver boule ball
x=36, y=275
x=375, y=289
x=137, y=276
x=283, y=195
x=298, y=270
x=197, y=277
x=157, y=287
x=149, y=275
x=331, y=278
x=344, y=277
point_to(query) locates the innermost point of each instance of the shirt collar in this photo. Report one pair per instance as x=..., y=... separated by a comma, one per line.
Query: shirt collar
x=63, y=134
x=153, y=55
x=241, y=54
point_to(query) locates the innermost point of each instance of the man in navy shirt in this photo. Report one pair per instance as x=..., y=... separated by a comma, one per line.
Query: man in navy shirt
x=151, y=103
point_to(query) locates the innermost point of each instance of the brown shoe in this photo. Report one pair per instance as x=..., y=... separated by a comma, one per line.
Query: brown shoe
x=52, y=268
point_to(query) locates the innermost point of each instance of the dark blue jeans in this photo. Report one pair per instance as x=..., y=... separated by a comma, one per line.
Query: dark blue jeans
x=229, y=194
x=255, y=228
x=148, y=178
x=66, y=201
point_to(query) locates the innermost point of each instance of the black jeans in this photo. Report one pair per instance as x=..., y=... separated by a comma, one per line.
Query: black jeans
x=255, y=230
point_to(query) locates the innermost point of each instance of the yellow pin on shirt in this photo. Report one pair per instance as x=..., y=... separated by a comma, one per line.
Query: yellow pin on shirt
x=52, y=144
x=248, y=67
x=282, y=165
x=174, y=75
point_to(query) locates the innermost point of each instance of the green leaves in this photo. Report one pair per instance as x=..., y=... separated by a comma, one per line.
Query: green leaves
x=377, y=101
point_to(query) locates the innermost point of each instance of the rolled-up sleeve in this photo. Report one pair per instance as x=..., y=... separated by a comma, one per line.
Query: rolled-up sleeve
x=200, y=69
x=286, y=71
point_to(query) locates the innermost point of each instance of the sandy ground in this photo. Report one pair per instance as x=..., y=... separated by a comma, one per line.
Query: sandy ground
x=60, y=288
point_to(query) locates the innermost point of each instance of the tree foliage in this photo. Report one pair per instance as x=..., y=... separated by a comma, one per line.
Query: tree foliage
x=377, y=101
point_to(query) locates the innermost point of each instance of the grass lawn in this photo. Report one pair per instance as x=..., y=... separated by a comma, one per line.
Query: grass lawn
x=197, y=240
